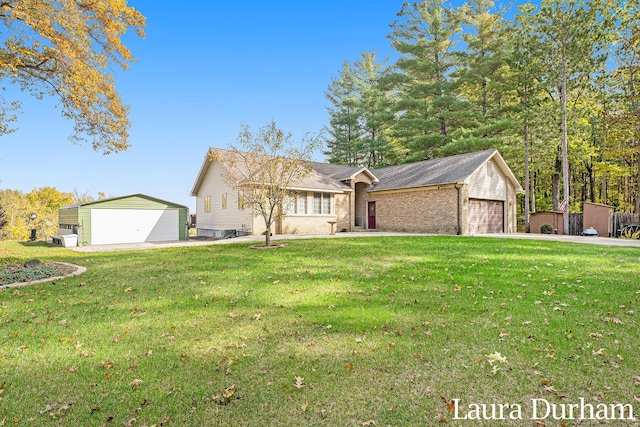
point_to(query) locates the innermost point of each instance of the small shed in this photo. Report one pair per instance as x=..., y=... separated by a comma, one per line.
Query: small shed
x=128, y=219
x=598, y=216
x=553, y=218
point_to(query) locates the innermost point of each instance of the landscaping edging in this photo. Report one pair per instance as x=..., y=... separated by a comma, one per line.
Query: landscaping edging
x=78, y=270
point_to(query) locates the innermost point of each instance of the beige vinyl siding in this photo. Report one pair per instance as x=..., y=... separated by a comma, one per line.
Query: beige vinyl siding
x=214, y=185
x=488, y=182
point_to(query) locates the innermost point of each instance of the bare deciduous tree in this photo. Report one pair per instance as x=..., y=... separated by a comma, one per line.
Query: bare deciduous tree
x=264, y=166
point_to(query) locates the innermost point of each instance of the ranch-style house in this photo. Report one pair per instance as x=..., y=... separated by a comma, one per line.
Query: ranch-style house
x=471, y=193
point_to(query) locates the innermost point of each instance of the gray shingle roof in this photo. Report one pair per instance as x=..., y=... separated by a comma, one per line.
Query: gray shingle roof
x=446, y=170
x=338, y=172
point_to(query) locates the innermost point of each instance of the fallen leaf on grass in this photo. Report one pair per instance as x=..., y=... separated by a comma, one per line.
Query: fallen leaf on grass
x=305, y=405
x=135, y=383
x=298, y=384
x=59, y=409
x=369, y=423
x=450, y=404
x=496, y=358
x=227, y=395
x=600, y=352
x=349, y=366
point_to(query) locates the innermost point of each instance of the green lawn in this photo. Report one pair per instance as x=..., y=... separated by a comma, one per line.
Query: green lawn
x=332, y=332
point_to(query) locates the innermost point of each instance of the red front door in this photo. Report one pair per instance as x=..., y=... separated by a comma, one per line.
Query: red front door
x=371, y=215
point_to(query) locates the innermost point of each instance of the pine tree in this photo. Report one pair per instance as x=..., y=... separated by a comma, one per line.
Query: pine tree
x=428, y=110
x=375, y=111
x=574, y=36
x=482, y=80
x=344, y=127
x=360, y=114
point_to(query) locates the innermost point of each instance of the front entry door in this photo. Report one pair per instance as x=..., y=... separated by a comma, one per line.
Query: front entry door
x=371, y=215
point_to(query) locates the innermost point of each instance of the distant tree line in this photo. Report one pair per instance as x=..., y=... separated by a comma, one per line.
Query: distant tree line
x=16, y=208
x=553, y=89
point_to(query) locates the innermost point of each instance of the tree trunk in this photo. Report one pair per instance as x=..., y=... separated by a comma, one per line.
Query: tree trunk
x=555, y=188
x=637, y=201
x=526, y=167
x=533, y=192
x=604, y=196
x=565, y=157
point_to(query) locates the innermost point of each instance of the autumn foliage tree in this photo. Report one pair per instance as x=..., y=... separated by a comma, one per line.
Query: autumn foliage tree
x=263, y=166
x=44, y=202
x=68, y=49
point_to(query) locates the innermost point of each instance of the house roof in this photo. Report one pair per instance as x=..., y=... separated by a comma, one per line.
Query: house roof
x=144, y=196
x=315, y=181
x=341, y=172
x=330, y=177
x=446, y=170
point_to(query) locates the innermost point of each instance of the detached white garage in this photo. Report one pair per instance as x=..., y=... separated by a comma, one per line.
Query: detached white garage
x=130, y=219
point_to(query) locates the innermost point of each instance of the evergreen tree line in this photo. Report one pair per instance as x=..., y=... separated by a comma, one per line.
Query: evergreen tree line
x=553, y=89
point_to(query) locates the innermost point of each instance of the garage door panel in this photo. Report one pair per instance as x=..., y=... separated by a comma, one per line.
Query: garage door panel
x=486, y=216
x=110, y=226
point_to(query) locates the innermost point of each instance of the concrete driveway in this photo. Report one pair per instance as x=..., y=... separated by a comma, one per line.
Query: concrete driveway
x=605, y=241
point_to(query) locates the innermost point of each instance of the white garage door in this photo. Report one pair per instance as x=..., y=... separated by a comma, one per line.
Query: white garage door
x=486, y=216
x=133, y=225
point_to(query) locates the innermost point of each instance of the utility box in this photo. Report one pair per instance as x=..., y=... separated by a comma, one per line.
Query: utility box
x=598, y=216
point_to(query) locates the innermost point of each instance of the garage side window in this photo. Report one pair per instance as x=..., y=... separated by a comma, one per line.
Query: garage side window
x=207, y=204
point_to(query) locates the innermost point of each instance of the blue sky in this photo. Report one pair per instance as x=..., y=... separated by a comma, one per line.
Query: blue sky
x=205, y=68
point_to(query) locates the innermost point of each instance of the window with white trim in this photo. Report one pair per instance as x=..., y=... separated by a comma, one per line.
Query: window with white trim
x=240, y=200
x=322, y=203
x=298, y=204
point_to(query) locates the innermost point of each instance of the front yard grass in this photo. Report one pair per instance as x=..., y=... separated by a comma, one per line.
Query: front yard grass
x=336, y=332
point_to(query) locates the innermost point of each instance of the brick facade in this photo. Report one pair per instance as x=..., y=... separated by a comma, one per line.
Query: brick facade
x=428, y=210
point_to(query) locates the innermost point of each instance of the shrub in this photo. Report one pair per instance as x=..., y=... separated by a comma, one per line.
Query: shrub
x=546, y=229
x=21, y=274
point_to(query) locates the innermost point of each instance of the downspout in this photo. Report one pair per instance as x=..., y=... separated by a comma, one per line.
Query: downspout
x=458, y=186
x=352, y=204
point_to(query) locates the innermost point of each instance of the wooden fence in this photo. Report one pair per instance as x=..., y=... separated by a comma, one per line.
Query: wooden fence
x=618, y=220
x=575, y=224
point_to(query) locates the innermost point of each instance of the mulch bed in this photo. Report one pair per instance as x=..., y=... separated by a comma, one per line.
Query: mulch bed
x=271, y=246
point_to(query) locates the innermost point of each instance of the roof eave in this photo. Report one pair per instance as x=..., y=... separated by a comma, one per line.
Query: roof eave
x=201, y=174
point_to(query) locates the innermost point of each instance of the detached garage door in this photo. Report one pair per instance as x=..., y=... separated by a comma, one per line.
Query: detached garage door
x=133, y=225
x=486, y=216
